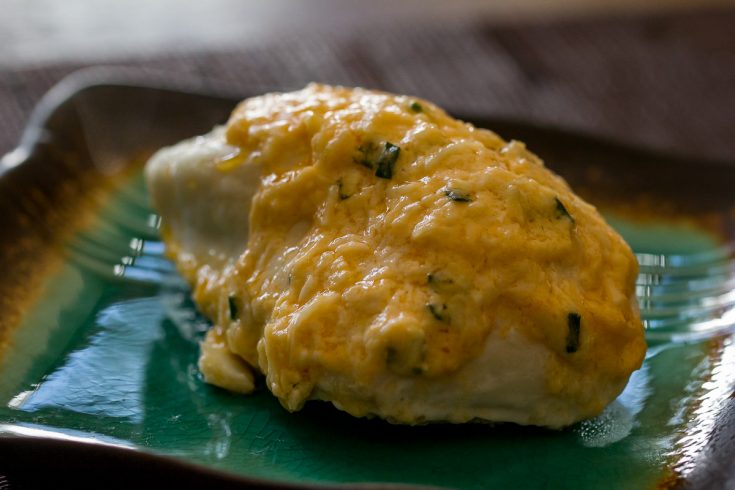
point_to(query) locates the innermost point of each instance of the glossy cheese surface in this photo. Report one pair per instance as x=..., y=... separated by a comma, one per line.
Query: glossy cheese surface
x=367, y=249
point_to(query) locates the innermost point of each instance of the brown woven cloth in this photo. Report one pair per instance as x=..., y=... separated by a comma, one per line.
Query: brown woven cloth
x=664, y=81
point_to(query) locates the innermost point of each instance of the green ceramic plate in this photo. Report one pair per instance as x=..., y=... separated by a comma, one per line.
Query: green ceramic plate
x=101, y=336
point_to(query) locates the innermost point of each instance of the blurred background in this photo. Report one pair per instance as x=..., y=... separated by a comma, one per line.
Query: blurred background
x=656, y=73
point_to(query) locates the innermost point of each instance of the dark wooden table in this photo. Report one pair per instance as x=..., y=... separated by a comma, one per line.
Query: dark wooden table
x=665, y=80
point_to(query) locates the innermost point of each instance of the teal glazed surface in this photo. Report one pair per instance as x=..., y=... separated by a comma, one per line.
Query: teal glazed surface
x=109, y=353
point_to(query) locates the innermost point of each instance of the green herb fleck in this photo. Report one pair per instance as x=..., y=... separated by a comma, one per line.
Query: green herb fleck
x=367, y=155
x=457, y=195
x=381, y=160
x=416, y=107
x=438, y=280
x=407, y=359
x=232, y=302
x=438, y=311
x=561, y=210
x=574, y=321
x=341, y=190
x=391, y=355
x=387, y=161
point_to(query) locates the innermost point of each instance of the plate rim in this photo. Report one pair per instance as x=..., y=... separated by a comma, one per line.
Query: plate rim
x=715, y=472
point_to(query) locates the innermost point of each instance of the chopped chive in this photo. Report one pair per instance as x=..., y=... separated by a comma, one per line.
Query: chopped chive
x=406, y=359
x=232, y=303
x=561, y=210
x=437, y=311
x=438, y=279
x=391, y=355
x=382, y=161
x=341, y=191
x=574, y=321
x=457, y=195
x=416, y=107
x=367, y=152
x=387, y=161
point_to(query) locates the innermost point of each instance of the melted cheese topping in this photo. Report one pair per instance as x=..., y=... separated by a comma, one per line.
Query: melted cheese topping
x=368, y=249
